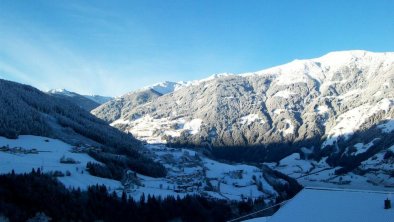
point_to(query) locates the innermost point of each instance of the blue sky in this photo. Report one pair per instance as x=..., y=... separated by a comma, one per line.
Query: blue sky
x=112, y=47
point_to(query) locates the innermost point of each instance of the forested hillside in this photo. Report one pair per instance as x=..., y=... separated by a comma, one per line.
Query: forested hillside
x=25, y=110
x=35, y=195
x=84, y=102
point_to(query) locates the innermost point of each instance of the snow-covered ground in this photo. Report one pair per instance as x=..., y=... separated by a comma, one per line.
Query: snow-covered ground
x=388, y=126
x=314, y=204
x=289, y=128
x=46, y=156
x=307, y=172
x=319, y=174
x=284, y=94
x=349, y=122
x=193, y=126
x=188, y=171
x=191, y=173
x=152, y=130
x=251, y=118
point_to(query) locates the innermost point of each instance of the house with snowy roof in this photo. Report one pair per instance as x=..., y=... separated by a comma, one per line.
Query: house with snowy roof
x=335, y=205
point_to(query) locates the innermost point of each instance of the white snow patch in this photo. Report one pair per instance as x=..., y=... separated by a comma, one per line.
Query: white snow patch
x=322, y=109
x=279, y=111
x=284, y=94
x=251, y=118
x=151, y=129
x=350, y=121
x=391, y=148
x=384, y=104
x=290, y=159
x=293, y=164
x=289, y=128
x=178, y=102
x=387, y=127
x=193, y=126
x=120, y=121
x=361, y=148
x=350, y=94
x=378, y=93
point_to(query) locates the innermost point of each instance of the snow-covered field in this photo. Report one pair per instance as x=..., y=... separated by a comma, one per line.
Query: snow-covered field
x=46, y=156
x=335, y=205
x=319, y=174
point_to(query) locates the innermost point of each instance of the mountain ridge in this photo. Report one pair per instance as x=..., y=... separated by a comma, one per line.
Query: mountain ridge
x=87, y=102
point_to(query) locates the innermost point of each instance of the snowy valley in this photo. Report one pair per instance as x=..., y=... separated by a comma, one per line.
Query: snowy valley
x=326, y=121
x=188, y=172
x=245, y=139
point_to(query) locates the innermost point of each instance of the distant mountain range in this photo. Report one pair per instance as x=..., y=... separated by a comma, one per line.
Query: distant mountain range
x=87, y=102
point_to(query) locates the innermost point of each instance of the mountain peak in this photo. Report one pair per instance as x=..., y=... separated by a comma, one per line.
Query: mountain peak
x=165, y=87
x=61, y=91
x=348, y=55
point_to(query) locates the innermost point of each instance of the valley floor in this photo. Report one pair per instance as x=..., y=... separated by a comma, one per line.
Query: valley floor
x=189, y=172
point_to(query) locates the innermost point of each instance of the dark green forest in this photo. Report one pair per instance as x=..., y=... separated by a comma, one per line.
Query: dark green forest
x=23, y=196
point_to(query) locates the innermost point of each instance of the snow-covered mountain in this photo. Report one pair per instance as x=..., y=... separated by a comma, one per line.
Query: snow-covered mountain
x=334, y=106
x=79, y=100
x=41, y=130
x=120, y=107
x=62, y=92
x=87, y=102
x=169, y=87
x=98, y=99
x=166, y=87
